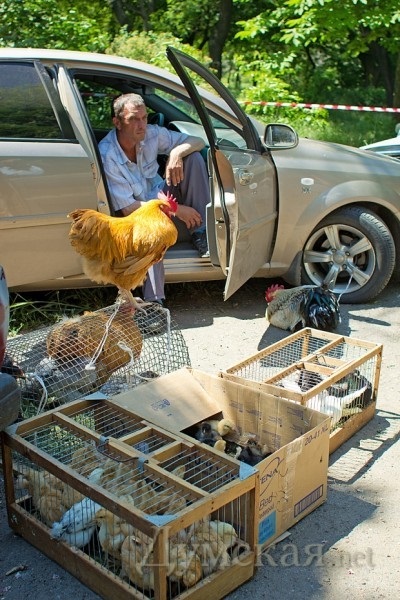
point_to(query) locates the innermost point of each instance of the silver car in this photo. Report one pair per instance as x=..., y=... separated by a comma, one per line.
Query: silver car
x=302, y=210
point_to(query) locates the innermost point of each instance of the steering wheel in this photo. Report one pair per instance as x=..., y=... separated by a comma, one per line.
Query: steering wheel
x=157, y=119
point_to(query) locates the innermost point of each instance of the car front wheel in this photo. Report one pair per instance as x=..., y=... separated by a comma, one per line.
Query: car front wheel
x=353, y=252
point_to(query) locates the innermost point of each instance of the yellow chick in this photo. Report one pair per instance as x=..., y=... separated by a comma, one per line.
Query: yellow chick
x=85, y=459
x=225, y=531
x=50, y=505
x=209, y=546
x=184, y=565
x=136, y=558
x=111, y=535
x=223, y=427
x=220, y=445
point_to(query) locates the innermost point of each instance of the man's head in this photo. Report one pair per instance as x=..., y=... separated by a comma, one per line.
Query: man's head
x=130, y=117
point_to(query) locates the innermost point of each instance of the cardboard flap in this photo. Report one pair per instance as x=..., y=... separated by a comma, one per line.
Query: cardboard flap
x=174, y=401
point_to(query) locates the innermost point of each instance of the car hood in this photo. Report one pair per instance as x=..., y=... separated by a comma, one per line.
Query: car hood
x=312, y=155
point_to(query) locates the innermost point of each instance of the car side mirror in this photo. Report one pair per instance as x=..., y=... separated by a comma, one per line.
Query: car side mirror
x=278, y=135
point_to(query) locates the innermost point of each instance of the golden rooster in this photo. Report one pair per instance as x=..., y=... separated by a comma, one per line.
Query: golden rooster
x=120, y=250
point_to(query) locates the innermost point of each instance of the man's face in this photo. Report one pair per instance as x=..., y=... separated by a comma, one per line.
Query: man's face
x=132, y=123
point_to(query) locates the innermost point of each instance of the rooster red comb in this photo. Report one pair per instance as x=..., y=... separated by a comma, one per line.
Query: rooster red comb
x=271, y=291
x=170, y=199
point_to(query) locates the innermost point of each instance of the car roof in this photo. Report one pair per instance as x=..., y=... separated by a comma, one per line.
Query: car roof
x=81, y=57
x=88, y=59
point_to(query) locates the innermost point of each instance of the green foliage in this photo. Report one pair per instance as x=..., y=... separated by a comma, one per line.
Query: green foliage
x=31, y=310
x=150, y=47
x=63, y=24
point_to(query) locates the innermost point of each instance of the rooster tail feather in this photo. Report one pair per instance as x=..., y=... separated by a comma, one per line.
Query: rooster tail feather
x=320, y=308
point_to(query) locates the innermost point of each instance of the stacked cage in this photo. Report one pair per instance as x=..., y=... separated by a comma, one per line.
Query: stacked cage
x=333, y=374
x=137, y=512
x=109, y=351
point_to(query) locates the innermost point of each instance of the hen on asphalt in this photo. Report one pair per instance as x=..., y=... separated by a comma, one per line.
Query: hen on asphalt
x=121, y=250
x=311, y=305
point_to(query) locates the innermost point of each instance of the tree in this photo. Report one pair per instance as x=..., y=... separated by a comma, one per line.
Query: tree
x=354, y=40
x=66, y=24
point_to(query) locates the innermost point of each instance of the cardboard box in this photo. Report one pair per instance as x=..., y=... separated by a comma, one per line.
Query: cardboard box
x=292, y=480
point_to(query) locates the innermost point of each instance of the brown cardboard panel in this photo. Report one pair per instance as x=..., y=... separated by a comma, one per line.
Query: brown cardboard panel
x=292, y=479
x=175, y=401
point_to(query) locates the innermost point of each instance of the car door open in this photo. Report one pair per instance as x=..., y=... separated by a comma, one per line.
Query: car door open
x=244, y=213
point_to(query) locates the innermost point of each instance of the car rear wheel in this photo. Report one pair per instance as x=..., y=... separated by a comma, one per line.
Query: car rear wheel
x=353, y=252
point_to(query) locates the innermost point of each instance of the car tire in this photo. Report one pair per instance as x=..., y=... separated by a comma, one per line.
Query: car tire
x=331, y=256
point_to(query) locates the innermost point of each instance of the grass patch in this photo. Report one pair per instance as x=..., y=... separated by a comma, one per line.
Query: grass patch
x=30, y=310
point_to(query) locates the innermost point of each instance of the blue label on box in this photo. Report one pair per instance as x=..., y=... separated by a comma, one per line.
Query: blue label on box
x=267, y=528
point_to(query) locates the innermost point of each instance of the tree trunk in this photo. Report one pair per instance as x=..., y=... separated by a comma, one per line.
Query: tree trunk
x=396, y=88
x=378, y=70
x=219, y=34
x=125, y=11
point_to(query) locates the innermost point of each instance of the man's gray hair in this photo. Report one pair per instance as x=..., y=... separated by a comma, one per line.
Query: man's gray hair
x=121, y=102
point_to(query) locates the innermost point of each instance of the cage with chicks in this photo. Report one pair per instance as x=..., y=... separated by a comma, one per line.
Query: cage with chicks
x=108, y=351
x=333, y=374
x=131, y=510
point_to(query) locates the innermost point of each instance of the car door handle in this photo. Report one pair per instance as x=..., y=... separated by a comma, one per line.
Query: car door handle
x=245, y=177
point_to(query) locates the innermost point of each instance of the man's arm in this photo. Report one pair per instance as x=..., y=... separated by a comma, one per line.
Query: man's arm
x=174, y=167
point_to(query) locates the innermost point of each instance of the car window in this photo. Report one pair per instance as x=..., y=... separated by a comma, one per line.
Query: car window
x=25, y=108
x=186, y=107
x=98, y=93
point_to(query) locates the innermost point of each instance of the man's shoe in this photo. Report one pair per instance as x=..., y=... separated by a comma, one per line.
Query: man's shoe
x=199, y=241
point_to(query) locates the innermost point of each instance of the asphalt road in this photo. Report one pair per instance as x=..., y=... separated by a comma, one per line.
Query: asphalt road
x=348, y=547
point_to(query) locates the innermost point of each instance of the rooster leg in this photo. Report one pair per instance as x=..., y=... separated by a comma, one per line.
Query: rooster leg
x=136, y=303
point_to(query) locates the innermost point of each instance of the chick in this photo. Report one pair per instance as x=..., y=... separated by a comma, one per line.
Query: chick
x=111, y=532
x=37, y=483
x=136, y=558
x=223, y=427
x=225, y=531
x=85, y=459
x=78, y=524
x=220, y=445
x=206, y=434
x=213, y=430
x=50, y=505
x=184, y=565
x=209, y=546
x=252, y=452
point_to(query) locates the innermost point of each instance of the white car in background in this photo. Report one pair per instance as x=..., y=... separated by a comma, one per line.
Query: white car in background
x=390, y=147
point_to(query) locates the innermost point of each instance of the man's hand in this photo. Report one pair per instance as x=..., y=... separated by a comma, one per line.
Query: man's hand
x=174, y=169
x=189, y=216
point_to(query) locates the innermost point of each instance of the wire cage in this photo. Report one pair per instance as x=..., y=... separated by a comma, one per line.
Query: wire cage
x=107, y=351
x=336, y=375
x=118, y=507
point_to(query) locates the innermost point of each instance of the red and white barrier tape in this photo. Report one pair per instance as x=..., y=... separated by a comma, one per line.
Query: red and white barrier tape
x=327, y=106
